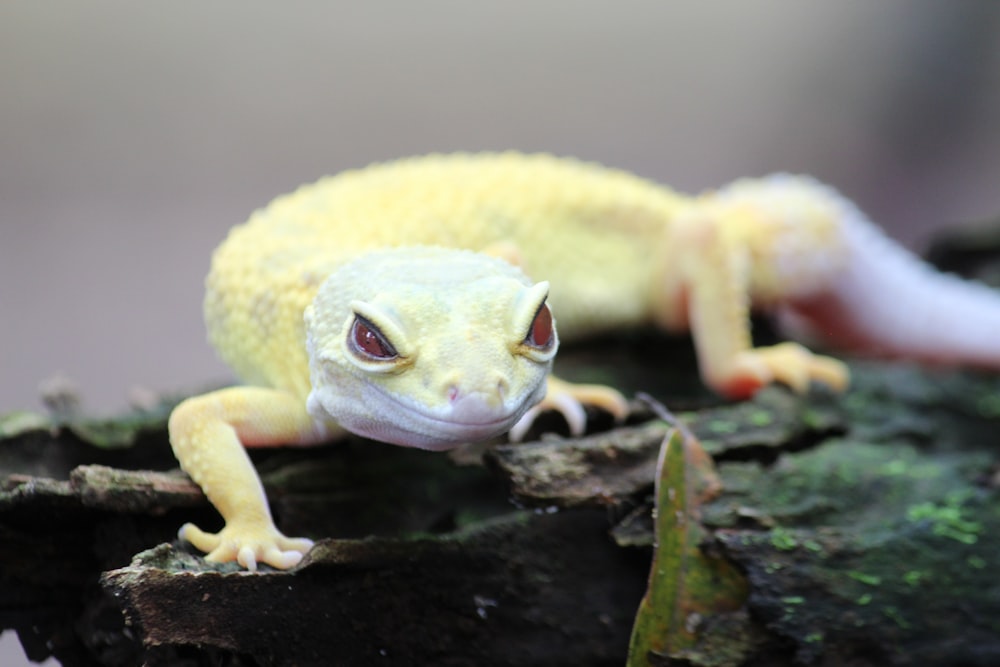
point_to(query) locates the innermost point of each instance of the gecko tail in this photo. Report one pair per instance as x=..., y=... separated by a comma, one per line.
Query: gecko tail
x=889, y=303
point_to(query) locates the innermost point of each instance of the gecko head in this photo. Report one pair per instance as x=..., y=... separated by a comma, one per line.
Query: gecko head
x=428, y=347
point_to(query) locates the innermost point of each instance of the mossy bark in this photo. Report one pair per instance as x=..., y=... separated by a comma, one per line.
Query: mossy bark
x=866, y=526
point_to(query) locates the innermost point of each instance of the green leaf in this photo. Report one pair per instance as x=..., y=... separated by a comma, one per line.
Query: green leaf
x=687, y=586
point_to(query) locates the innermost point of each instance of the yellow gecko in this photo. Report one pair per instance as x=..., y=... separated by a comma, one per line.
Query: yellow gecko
x=394, y=302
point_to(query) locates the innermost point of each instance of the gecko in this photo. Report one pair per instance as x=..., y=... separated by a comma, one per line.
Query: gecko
x=416, y=302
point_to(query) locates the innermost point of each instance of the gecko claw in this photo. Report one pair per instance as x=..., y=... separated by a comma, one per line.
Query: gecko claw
x=569, y=399
x=518, y=430
x=572, y=411
x=246, y=558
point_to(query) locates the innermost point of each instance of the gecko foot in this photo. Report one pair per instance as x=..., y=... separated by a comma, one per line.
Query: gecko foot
x=248, y=545
x=568, y=399
x=788, y=363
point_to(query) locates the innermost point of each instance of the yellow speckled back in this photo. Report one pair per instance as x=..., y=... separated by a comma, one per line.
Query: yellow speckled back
x=588, y=230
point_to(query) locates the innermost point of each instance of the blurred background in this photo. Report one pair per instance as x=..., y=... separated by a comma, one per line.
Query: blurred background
x=132, y=136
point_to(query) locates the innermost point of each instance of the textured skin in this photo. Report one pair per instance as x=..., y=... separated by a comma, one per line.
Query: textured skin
x=555, y=212
x=286, y=288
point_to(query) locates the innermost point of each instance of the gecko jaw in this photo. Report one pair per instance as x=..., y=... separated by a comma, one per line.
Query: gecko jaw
x=468, y=419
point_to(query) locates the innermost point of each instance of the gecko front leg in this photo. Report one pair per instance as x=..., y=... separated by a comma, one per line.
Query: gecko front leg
x=208, y=434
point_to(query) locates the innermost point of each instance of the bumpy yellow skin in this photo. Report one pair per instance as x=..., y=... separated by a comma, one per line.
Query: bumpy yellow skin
x=554, y=213
x=286, y=290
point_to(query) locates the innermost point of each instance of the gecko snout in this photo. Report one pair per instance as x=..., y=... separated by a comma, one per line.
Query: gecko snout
x=470, y=399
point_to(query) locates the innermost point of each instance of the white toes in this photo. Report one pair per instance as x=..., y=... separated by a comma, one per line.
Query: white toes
x=247, y=558
x=284, y=559
x=300, y=544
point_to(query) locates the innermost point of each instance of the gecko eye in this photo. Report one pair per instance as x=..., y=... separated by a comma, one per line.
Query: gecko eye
x=540, y=333
x=368, y=341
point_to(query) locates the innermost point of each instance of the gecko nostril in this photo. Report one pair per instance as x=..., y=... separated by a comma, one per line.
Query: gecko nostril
x=453, y=392
x=503, y=387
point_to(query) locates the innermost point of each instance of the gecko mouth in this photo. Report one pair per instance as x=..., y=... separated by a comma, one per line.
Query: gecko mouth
x=412, y=425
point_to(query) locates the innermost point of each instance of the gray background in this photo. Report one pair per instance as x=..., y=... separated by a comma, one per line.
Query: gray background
x=132, y=136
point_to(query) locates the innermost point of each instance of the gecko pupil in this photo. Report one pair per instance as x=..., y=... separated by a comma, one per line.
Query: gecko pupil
x=540, y=334
x=370, y=341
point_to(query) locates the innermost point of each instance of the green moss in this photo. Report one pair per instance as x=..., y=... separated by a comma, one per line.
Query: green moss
x=783, y=540
x=896, y=468
x=988, y=406
x=723, y=427
x=773, y=567
x=947, y=519
x=712, y=446
x=15, y=423
x=814, y=419
x=813, y=546
x=869, y=579
x=897, y=617
x=976, y=562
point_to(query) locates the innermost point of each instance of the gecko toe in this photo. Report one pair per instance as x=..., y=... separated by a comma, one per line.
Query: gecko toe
x=788, y=363
x=282, y=560
x=201, y=540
